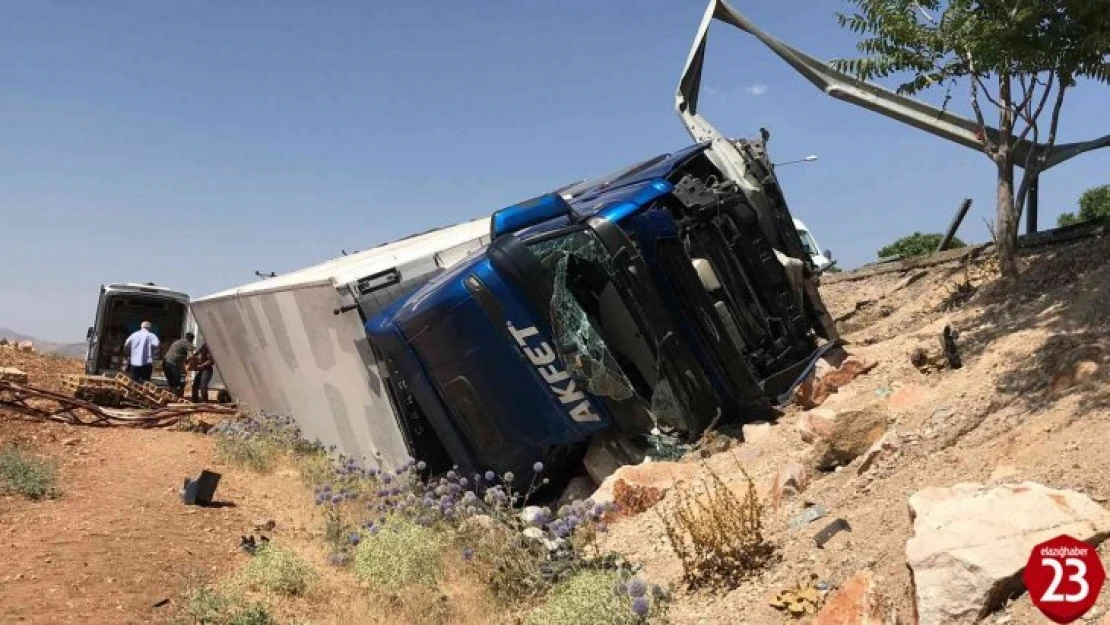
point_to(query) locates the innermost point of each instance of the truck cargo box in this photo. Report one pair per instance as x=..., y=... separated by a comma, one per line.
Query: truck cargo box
x=295, y=344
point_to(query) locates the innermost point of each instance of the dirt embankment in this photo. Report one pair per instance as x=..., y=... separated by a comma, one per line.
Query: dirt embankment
x=1013, y=412
x=118, y=542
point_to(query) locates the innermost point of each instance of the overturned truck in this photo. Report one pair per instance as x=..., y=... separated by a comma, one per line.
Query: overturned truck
x=659, y=299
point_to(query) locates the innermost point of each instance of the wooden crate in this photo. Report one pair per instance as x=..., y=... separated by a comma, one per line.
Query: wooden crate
x=13, y=375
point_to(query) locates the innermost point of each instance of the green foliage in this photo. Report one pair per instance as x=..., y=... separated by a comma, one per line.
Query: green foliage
x=401, y=553
x=1093, y=204
x=205, y=605
x=258, y=441
x=917, y=244
x=717, y=535
x=278, y=570
x=586, y=597
x=937, y=41
x=27, y=475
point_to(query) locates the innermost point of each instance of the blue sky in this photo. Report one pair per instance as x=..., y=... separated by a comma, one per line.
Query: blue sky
x=190, y=144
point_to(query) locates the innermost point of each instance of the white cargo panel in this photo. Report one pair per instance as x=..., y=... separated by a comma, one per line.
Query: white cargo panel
x=280, y=347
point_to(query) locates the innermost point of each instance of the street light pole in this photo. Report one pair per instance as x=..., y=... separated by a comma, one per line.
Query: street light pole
x=808, y=159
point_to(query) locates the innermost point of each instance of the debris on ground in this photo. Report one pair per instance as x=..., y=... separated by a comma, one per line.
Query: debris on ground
x=800, y=599
x=201, y=491
x=832, y=529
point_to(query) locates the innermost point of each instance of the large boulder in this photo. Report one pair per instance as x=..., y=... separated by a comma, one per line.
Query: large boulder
x=840, y=436
x=971, y=542
x=858, y=601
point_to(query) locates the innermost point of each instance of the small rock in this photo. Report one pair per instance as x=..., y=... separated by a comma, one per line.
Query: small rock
x=1079, y=366
x=859, y=601
x=533, y=533
x=842, y=437
x=661, y=476
x=535, y=516
x=756, y=431
x=792, y=478
x=887, y=445
x=578, y=489
x=264, y=525
x=70, y=442
x=815, y=424
x=971, y=542
x=809, y=515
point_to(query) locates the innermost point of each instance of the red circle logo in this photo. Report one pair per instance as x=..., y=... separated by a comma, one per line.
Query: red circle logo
x=1064, y=577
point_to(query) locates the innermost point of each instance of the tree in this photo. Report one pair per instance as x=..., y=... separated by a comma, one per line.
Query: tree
x=917, y=244
x=1093, y=204
x=1016, y=55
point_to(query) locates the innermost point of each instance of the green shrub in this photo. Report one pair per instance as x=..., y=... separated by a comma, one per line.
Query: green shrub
x=278, y=570
x=23, y=474
x=400, y=553
x=206, y=605
x=256, y=454
x=917, y=244
x=589, y=596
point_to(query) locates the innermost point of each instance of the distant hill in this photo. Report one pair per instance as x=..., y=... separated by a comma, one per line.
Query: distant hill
x=71, y=350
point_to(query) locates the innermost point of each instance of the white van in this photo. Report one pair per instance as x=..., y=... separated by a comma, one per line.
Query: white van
x=821, y=259
x=120, y=308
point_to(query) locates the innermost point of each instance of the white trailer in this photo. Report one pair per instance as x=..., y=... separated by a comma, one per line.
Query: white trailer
x=296, y=345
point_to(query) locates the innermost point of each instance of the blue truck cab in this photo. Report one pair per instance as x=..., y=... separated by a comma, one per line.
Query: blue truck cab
x=655, y=297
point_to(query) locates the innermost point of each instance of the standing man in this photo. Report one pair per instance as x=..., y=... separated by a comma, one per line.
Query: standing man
x=202, y=364
x=143, y=345
x=173, y=365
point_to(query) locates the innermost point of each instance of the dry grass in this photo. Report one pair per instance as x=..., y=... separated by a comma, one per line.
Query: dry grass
x=717, y=535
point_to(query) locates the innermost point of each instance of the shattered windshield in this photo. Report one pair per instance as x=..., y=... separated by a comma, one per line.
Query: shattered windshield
x=597, y=335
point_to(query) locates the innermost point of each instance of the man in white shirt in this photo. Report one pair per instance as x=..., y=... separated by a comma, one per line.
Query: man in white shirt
x=143, y=345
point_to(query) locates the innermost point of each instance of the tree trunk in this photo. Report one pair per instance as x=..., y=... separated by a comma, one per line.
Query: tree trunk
x=1007, y=230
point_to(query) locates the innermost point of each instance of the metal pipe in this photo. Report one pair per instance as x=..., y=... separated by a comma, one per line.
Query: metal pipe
x=961, y=212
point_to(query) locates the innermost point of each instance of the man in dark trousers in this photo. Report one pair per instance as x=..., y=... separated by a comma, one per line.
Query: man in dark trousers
x=141, y=347
x=202, y=364
x=173, y=365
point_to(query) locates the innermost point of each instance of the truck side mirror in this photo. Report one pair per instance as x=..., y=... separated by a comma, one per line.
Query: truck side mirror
x=88, y=335
x=828, y=255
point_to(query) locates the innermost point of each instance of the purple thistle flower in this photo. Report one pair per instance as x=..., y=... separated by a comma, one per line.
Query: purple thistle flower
x=326, y=488
x=464, y=482
x=451, y=475
x=538, y=467
x=602, y=528
x=387, y=478
x=640, y=607
x=636, y=587
x=421, y=465
x=467, y=553
x=336, y=499
x=490, y=476
x=509, y=477
x=354, y=539
x=619, y=589
x=320, y=499
x=373, y=529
